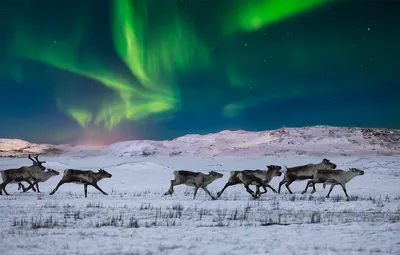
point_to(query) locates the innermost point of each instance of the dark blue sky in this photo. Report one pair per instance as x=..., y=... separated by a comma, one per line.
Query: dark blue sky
x=68, y=75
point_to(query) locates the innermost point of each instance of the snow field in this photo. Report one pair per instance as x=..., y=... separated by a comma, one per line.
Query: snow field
x=135, y=218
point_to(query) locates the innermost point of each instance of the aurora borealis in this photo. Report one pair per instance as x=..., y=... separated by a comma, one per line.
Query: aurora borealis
x=79, y=70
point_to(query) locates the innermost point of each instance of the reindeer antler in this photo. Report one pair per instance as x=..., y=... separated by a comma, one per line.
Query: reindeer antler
x=39, y=162
x=34, y=162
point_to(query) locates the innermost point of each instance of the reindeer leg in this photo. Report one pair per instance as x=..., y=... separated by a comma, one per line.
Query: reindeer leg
x=37, y=187
x=309, y=183
x=171, y=188
x=85, y=189
x=250, y=191
x=258, y=184
x=258, y=193
x=344, y=189
x=269, y=186
x=265, y=190
x=219, y=193
x=280, y=185
x=20, y=185
x=98, y=188
x=330, y=190
x=56, y=188
x=265, y=186
x=3, y=187
x=313, y=188
x=209, y=193
x=195, y=191
x=31, y=186
x=287, y=185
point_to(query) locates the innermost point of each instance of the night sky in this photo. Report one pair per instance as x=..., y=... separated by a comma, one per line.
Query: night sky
x=96, y=71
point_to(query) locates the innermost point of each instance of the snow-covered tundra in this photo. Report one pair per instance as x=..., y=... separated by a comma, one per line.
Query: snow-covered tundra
x=136, y=217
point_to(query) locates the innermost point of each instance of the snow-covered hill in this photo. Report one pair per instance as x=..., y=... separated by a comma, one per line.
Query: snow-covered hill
x=316, y=140
x=18, y=147
x=313, y=141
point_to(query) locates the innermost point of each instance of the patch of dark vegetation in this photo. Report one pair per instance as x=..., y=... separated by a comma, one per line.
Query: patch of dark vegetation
x=175, y=153
x=274, y=224
x=47, y=222
x=94, y=205
x=52, y=151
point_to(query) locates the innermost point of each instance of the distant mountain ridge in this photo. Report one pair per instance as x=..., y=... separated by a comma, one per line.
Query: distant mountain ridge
x=18, y=148
x=313, y=141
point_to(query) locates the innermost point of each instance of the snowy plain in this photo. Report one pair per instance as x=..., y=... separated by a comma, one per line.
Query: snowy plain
x=135, y=218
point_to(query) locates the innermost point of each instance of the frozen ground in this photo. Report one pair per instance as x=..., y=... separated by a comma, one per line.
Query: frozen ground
x=135, y=218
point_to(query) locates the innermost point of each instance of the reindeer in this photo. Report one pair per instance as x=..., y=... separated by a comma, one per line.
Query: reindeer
x=260, y=178
x=194, y=179
x=24, y=173
x=304, y=172
x=83, y=177
x=39, y=177
x=333, y=177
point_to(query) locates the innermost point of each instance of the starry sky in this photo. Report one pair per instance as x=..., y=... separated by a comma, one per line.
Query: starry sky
x=100, y=71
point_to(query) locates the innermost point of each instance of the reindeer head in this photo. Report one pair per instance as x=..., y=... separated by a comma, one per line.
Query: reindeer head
x=357, y=171
x=52, y=171
x=104, y=173
x=216, y=175
x=38, y=163
x=276, y=170
x=327, y=164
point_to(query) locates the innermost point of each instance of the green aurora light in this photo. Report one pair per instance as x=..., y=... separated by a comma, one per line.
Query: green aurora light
x=236, y=55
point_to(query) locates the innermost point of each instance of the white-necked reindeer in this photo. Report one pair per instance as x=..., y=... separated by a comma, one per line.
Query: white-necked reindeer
x=333, y=177
x=194, y=179
x=39, y=177
x=304, y=172
x=260, y=178
x=86, y=178
x=24, y=173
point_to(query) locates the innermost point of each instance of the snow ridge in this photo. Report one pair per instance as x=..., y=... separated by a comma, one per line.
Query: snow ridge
x=19, y=148
x=315, y=141
x=310, y=141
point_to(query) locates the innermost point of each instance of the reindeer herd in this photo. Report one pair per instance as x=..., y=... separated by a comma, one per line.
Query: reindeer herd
x=324, y=172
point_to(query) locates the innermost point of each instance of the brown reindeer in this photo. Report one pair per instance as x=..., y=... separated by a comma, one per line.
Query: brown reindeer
x=194, y=179
x=304, y=172
x=260, y=178
x=83, y=177
x=24, y=173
